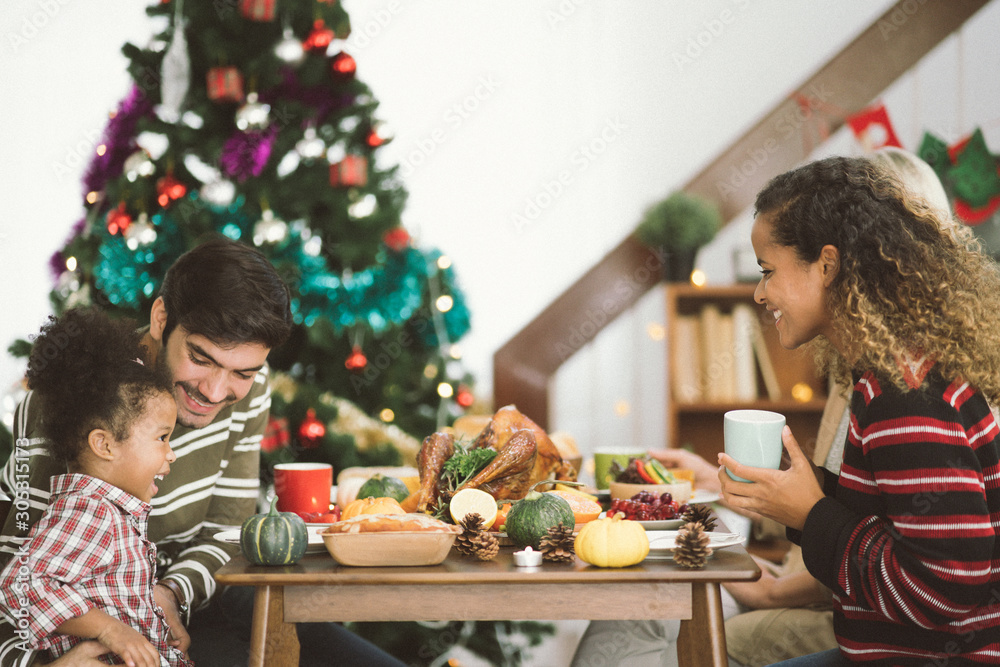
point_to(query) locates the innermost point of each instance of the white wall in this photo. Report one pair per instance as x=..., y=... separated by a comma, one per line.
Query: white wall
x=587, y=110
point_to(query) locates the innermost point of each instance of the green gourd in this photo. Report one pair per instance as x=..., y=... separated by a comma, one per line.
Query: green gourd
x=275, y=538
x=379, y=486
x=530, y=518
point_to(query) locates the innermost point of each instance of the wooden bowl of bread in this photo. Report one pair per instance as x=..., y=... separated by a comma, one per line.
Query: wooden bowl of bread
x=389, y=540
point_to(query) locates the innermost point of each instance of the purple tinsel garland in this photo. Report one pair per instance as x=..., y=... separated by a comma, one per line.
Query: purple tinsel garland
x=246, y=153
x=57, y=262
x=318, y=97
x=119, y=140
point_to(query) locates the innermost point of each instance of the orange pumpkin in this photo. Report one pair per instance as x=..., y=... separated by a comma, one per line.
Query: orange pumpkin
x=372, y=506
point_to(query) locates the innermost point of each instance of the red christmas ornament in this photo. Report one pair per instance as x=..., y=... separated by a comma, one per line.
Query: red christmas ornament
x=257, y=10
x=397, y=239
x=311, y=430
x=118, y=219
x=378, y=134
x=356, y=360
x=319, y=37
x=224, y=84
x=169, y=189
x=352, y=171
x=276, y=435
x=464, y=397
x=343, y=66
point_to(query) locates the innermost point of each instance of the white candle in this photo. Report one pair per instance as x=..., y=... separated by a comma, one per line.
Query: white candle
x=528, y=558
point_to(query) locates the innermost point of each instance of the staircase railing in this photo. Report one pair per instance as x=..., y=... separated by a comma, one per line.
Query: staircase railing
x=782, y=139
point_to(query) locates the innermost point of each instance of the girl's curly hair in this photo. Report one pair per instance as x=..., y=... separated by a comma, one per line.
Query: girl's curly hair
x=909, y=282
x=84, y=370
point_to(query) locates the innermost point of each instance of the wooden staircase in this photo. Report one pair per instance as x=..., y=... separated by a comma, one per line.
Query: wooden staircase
x=894, y=43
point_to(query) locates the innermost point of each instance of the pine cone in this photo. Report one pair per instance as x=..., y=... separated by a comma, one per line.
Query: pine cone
x=474, y=541
x=700, y=514
x=557, y=546
x=692, y=548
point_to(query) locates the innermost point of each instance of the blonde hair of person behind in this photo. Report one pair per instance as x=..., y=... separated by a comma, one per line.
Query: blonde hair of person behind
x=917, y=176
x=906, y=286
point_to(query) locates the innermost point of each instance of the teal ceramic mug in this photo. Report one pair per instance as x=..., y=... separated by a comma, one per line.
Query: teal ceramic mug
x=753, y=438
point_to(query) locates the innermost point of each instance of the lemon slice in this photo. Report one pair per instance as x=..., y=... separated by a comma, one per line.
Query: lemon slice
x=468, y=501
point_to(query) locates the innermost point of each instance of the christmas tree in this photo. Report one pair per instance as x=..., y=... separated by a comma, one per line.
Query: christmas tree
x=245, y=118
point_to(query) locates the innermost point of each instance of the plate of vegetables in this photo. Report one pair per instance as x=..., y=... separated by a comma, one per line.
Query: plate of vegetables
x=646, y=474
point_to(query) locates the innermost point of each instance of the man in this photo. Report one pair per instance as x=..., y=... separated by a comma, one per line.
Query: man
x=221, y=309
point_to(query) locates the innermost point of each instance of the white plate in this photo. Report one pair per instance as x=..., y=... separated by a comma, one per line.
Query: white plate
x=661, y=542
x=315, y=544
x=703, y=496
x=665, y=524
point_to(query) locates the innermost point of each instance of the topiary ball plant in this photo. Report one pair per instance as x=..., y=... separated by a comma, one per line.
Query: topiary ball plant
x=679, y=225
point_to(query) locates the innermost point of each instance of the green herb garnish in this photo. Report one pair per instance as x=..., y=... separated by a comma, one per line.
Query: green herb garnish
x=465, y=464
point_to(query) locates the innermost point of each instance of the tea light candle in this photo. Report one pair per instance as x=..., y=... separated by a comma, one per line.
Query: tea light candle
x=528, y=558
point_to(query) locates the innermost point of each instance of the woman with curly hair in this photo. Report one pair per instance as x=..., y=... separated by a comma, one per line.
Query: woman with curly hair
x=87, y=568
x=903, y=307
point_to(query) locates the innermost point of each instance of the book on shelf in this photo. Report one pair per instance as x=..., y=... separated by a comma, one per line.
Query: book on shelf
x=744, y=363
x=685, y=360
x=716, y=361
x=718, y=356
x=767, y=371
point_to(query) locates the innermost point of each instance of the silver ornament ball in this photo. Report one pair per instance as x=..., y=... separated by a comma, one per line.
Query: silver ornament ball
x=310, y=146
x=253, y=115
x=269, y=229
x=290, y=49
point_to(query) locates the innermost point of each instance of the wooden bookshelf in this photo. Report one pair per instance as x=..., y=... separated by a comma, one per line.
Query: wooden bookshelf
x=697, y=422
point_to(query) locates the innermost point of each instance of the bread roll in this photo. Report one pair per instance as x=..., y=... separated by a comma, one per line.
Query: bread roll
x=565, y=443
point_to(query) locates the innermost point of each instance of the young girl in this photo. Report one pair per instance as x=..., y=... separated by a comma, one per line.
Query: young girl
x=903, y=307
x=87, y=568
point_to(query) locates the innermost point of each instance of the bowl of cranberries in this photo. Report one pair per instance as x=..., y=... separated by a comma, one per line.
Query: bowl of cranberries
x=653, y=511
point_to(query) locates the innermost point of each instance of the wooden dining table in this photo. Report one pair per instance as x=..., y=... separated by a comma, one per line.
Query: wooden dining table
x=317, y=588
